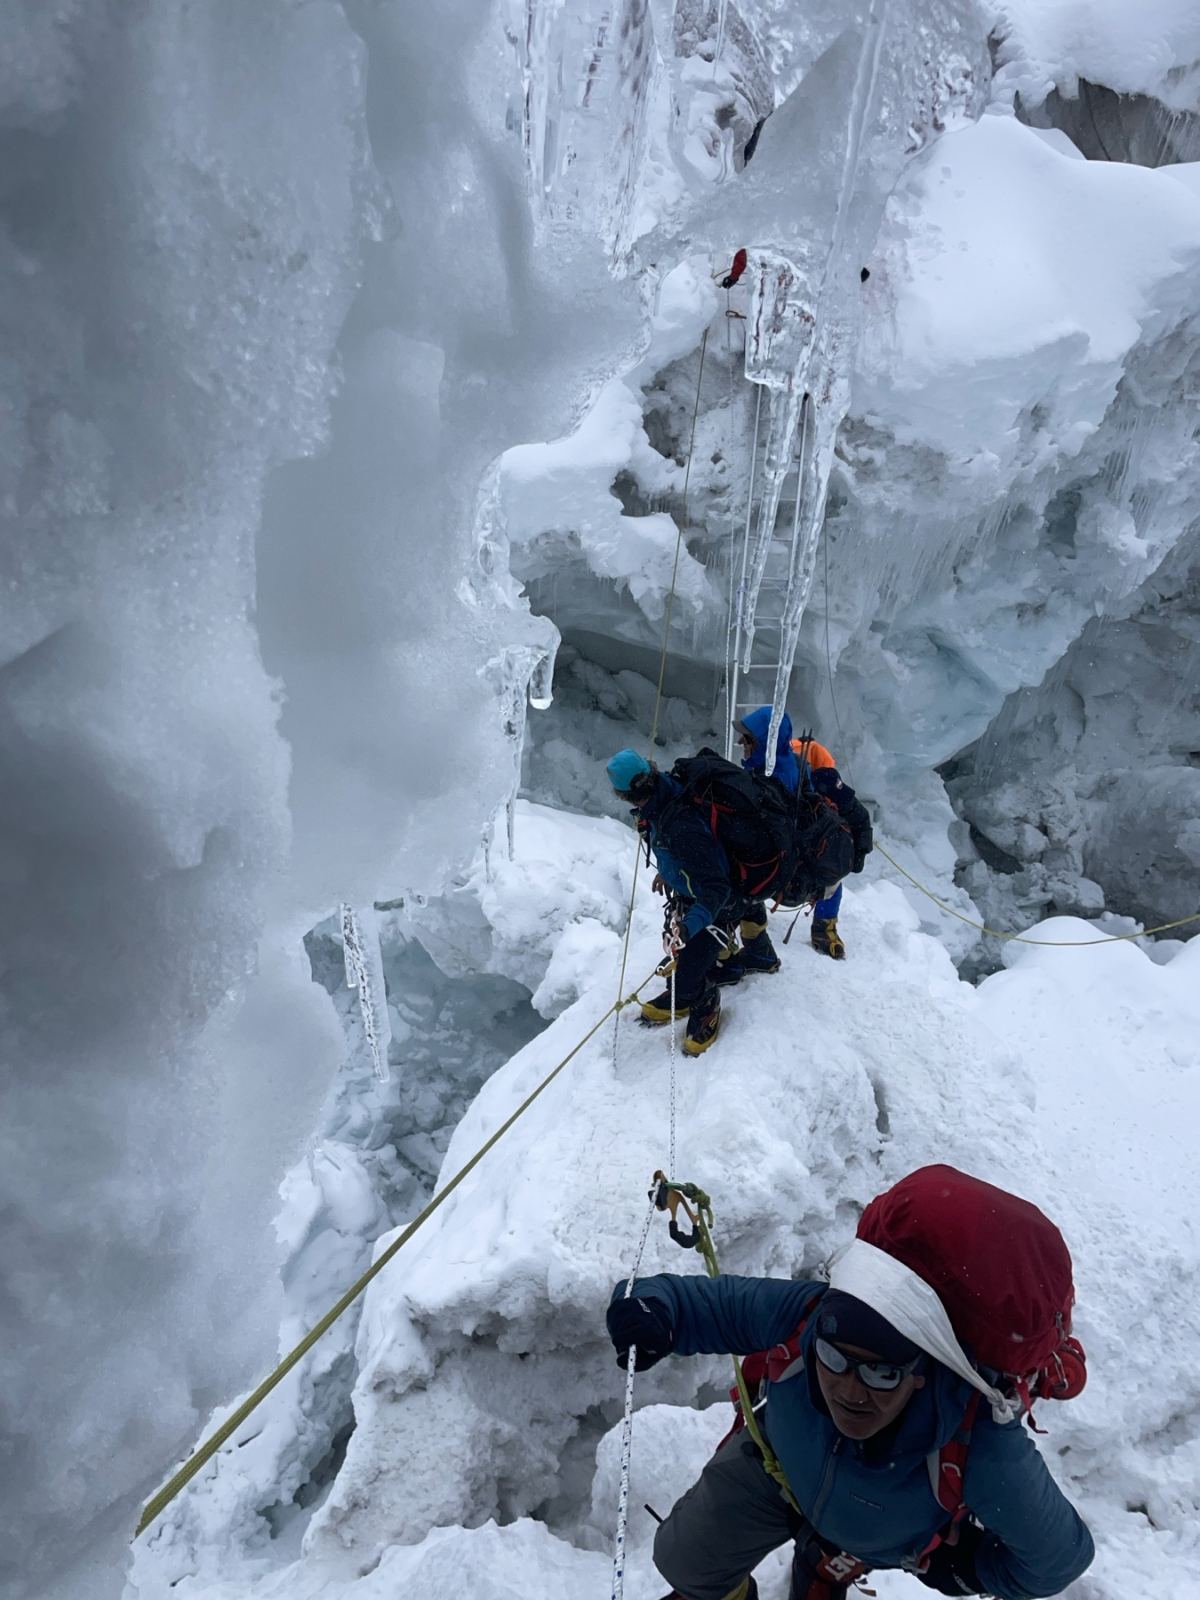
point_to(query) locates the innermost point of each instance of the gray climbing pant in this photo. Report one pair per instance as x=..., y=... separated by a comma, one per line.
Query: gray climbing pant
x=731, y=1517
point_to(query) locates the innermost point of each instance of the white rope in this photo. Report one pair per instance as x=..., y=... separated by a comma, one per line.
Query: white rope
x=618, y=1578
x=671, y=1167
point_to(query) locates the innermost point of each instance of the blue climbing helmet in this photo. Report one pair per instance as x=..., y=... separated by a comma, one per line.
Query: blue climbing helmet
x=628, y=772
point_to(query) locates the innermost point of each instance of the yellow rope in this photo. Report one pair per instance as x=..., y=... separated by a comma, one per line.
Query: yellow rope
x=702, y=1219
x=155, y=1506
x=1020, y=938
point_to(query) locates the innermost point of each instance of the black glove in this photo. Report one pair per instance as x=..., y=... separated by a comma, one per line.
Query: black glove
x=860, y=859
x=951, y=1568
x=645, y=1323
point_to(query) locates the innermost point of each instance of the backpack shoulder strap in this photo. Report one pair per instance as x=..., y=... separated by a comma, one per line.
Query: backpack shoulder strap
x=947, y=1473
x=947, y=1466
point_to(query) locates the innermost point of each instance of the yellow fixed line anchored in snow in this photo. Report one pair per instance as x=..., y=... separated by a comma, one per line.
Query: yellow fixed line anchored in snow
x=159, y=1502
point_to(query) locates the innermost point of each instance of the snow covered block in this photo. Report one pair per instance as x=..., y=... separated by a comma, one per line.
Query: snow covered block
x=1021, y=278
x=521, y=1561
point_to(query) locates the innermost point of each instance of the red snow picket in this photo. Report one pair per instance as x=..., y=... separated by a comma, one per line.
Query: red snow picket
x=999, y=1266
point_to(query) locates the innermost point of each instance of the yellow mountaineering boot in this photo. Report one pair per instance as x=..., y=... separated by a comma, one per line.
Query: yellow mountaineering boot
x=827, y=939
x=704, y=1022
x=657, y=1009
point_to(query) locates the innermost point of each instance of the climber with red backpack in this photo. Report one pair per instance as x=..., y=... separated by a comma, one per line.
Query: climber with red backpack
x=890, y=1435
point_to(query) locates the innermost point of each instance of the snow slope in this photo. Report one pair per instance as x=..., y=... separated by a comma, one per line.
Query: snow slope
x=485, y=1384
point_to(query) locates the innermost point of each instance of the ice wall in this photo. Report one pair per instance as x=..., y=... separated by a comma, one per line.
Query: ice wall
x=179, y=239
x=271, y=305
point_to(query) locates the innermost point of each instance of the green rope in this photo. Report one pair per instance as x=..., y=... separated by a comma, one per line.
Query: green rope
x=703, y=1214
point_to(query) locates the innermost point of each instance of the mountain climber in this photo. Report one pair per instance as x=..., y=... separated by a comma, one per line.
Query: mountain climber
x=861, y=1420
x=696, y=871
x=805, y=764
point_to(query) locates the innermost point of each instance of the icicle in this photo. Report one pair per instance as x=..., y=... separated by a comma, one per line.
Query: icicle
x=541, y=683
x=364, y=972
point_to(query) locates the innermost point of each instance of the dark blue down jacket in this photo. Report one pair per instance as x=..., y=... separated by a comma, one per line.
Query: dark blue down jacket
x=878, y=1503
x=690, y=861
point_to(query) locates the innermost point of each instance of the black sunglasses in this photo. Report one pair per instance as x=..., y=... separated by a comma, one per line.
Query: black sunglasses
x=871, y=1374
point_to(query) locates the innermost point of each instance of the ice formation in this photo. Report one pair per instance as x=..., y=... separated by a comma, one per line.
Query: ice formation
x=329, y=329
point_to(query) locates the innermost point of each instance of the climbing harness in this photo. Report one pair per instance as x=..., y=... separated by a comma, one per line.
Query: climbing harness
x=159, y=1502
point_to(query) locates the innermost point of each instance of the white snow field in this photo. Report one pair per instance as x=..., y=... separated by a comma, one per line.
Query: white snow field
x=486, y=1387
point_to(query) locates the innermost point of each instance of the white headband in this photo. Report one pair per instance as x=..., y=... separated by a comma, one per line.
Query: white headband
x=905, y=1300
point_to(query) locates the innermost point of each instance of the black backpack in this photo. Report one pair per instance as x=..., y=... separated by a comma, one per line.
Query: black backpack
x=750, y=816
x=822, y=850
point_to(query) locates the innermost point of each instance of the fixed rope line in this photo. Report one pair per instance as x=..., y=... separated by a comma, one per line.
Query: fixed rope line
x=1021, y=938
x=618, y=1579
x=700, y=1213
x=662, y=663
x=155, y=1506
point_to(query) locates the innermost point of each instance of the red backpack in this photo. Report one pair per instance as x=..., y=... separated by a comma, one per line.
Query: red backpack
x=999, y=1266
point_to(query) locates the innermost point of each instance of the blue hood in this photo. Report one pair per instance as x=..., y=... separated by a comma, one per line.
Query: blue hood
x=787, y=768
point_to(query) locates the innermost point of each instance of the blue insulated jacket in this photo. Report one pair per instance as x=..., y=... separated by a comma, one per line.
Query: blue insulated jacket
x=688, y=857
x=787, y=768
x=879, y=1505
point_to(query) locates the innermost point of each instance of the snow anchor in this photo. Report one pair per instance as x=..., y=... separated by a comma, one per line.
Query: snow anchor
x=158, y=1503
